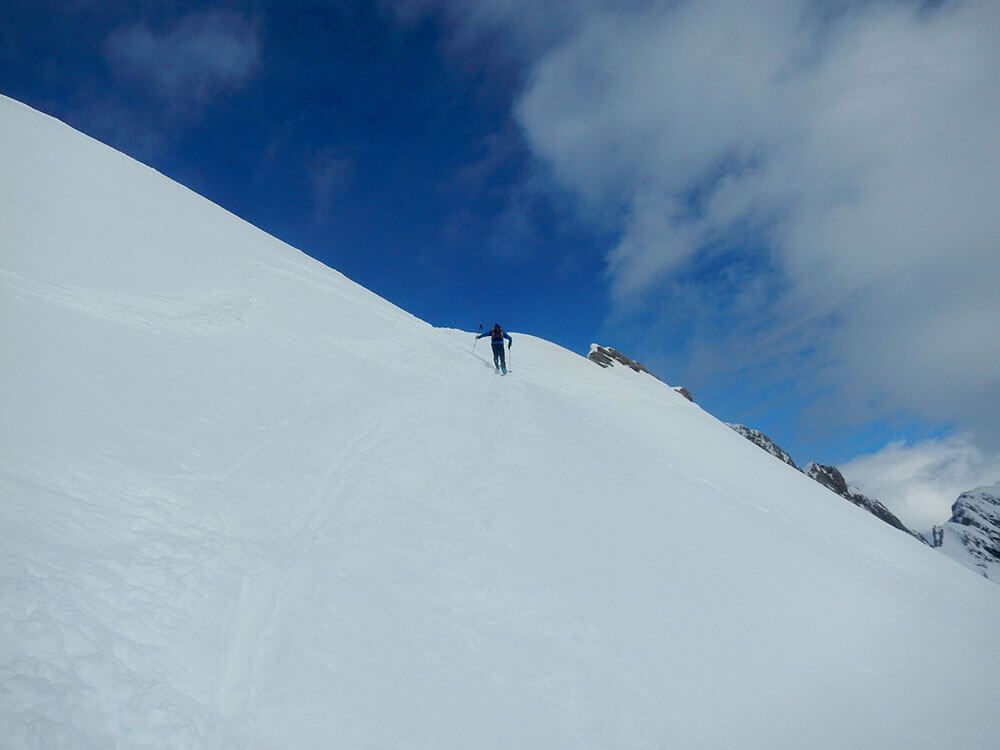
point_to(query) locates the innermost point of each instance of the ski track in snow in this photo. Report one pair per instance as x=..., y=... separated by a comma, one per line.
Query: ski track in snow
x=252, y=626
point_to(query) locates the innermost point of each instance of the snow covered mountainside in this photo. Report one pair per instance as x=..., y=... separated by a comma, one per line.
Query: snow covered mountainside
x=245, y=502
x=972, y=534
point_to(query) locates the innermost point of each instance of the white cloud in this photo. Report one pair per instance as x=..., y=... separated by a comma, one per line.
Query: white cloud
x=919, y=482
x=200, y=56
x=855, y=146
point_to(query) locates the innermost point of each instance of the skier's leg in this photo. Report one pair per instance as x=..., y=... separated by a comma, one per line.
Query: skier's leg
x=503, y=360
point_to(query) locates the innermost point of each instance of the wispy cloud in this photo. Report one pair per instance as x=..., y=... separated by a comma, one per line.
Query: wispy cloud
x=851, y=149
x=514, y=234
x=500, y=150
x=329, y=175
x=919, y=482
x=186, y=64
x=510, y=29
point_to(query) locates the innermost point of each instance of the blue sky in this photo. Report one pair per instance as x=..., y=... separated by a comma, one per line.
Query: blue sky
x=788, y=207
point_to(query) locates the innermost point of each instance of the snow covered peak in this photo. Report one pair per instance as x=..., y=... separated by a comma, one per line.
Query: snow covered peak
x=972, y=535
x=248, y=503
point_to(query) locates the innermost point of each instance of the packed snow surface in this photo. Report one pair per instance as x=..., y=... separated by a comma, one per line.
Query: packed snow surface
x=248, y=503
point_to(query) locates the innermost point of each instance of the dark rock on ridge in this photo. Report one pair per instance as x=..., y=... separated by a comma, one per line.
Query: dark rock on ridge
x=605, y=356
x=760, y=439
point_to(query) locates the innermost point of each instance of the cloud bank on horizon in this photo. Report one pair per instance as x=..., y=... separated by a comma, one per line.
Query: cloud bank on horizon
x=833, y=164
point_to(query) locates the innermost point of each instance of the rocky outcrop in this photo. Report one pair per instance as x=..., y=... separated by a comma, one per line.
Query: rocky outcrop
x=605, y=356
x=972, y=534
x=831, y=478
x=760, y=439
x=684, y=392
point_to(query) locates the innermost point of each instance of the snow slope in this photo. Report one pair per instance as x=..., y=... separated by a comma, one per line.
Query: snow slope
x=247, y=503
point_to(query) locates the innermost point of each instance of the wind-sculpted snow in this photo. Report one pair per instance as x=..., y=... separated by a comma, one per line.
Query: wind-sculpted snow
x=247, y=503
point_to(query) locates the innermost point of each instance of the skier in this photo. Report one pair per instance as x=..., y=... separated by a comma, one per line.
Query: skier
x=497, y=335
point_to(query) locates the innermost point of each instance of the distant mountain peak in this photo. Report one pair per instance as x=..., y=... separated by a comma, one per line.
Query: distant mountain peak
x=972, y=534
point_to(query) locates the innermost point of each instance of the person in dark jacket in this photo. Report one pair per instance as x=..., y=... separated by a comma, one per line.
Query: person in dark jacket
x=497, y=335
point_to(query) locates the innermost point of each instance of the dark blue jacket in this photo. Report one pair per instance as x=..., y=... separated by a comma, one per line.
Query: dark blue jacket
x=495, y=342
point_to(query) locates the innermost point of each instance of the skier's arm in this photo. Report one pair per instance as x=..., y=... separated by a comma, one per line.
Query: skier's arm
x=510, y=341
